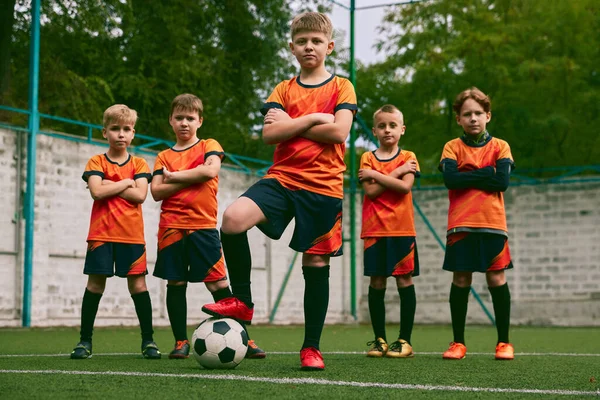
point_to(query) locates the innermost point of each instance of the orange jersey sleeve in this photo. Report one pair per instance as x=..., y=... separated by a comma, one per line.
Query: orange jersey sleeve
x=475, y=208
x=116, y=219
x=194, y=207
x=300, y=163
x=391, y=213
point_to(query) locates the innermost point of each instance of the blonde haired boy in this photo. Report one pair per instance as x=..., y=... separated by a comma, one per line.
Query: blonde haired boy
x=118, y=183
x=388, y=229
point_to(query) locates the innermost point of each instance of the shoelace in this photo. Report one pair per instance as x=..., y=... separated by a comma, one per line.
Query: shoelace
x=314, y=354
x=252, y=344
x=180, y=343
x=396, y=346
x=454, y=346
x=377, y=344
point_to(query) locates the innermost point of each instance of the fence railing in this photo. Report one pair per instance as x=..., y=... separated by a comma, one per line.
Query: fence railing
x=143, y=144
x=258, y=167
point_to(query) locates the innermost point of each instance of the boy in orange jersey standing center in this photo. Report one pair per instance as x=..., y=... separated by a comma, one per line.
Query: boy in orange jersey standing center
x=118, y=183
x=308, y=117
x=388, y=229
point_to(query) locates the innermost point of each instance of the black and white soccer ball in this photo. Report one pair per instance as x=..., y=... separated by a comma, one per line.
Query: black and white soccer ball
x=219, y=343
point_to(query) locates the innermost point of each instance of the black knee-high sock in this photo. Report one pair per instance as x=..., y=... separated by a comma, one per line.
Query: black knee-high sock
x=501, y=301
x=316, y=301
x=459, y=300
x=408, y=306
x=239, y=265
x=377, y=311
x=89, y=309
x=221, y=294
x=177, y=309
x=143, y=309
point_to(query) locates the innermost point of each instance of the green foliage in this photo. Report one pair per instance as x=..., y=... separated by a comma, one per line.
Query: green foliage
x=230, y=53
x=537, y=60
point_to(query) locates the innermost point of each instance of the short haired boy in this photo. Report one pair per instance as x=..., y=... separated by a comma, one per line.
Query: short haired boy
x=308, y=117
x=476, y=169
x=186, y=179
x=388, y=229
x=118, y=183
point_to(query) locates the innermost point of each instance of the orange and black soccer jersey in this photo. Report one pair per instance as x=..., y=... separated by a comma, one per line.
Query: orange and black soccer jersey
x=391, y=213
x=300, y=163
x=194, y=207
x=116, y=219
x=470, y=207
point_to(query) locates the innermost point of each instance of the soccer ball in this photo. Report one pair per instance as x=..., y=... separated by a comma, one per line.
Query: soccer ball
x=219, y=343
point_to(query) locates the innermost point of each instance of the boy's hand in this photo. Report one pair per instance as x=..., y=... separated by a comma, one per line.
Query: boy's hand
x=367, y=175
x=409, y=167
x=168, y=176
x=274, y=115
x=130, y=183
x=325, y=118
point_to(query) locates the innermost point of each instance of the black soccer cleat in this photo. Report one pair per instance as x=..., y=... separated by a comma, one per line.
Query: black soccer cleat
x=82, y=351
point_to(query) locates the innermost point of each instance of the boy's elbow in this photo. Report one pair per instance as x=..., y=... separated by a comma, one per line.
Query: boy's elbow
x=155, y=195
x=212, y=173
x=139, y=199
x=95, y=195
x=451, y=184
x=268, y=139
x=266, y=135
x=340, y=136
x=372, y=194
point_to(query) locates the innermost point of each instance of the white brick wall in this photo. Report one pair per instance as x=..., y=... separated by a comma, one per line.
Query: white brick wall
x=554, y=241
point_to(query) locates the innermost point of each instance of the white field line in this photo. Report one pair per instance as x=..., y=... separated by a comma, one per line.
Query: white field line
x=311, y=381
x=361, y=353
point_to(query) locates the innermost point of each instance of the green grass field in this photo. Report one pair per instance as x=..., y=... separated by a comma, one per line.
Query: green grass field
x=550, y=363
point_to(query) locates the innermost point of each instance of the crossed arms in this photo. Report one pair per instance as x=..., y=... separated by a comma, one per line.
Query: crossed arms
x=319, y=127
x=167, y=183
x=488, y=178
x=134, y=191
x=399, y=180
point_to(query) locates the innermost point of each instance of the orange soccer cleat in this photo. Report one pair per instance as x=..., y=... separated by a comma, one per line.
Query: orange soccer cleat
x=505, y=351
x=456, y=351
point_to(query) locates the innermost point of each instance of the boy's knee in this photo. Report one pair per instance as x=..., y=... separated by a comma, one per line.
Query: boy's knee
x=136, y=284
x=378, y=282
x=403, y=281
x=315, y=260
x=495, y=278
x=232, y=222
x=462, y=279
x=96, y=283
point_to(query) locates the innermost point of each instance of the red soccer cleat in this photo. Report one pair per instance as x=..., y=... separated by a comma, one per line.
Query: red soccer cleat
x=311, y=359
x=230, y=307
x=456, y=351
